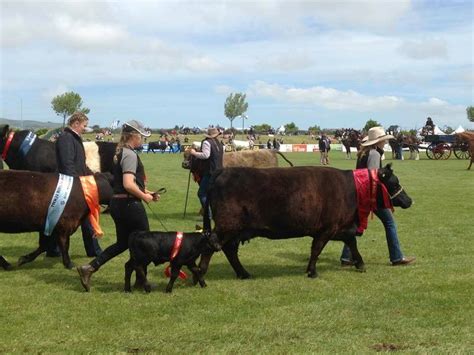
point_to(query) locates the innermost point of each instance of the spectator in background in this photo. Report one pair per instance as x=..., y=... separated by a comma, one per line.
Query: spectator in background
x=323, y=149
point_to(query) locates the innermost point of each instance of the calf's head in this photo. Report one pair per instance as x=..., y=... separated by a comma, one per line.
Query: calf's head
x=210, y=243
x=397, y=193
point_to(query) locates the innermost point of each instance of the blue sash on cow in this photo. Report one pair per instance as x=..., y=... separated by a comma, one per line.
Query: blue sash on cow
x=58, y=202
x=27, y=143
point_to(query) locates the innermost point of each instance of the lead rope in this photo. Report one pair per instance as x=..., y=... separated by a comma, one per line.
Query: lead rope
x=160, y=191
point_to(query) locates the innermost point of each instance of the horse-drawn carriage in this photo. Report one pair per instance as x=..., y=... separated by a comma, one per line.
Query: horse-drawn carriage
x=441, y=147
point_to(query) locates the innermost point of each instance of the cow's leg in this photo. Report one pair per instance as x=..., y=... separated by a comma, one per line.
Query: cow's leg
x=197, y=275
x=28, y=258
x=140, y=270
x=128, y=275
x=203, y=265
x=316, y=247
x=351, y=242
x=5, y=264
x=230, y=250
x=63, y=243
x=174, y=275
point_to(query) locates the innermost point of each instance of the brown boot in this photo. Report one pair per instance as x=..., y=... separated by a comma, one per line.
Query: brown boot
x=85, y=272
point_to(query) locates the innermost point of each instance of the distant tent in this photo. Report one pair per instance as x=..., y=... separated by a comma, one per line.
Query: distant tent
x=281, y=129
x=460, y=129
x=438, y=132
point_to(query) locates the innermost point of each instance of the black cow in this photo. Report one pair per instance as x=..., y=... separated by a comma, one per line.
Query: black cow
x=17, y=216
x=159, y=145
x=157, y=247
x=280, y=203
x=42, y=154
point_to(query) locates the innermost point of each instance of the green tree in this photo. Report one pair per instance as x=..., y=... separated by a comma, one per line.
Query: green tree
x=263, y=128
x=470, y=113
x=371, y=123
x=235, y=106
x=314, y=129
x=291, y=128
x=66, y=104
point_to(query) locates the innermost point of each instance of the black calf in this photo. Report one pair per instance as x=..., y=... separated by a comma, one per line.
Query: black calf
x=157, y=247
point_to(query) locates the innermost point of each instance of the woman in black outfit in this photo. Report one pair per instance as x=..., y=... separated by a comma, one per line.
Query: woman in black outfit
x=126, y=206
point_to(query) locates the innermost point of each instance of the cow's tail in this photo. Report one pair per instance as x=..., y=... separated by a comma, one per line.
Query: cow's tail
x=281, y=154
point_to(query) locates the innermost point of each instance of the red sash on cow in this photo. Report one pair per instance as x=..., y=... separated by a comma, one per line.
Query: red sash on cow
x=91, y=194
x=366, y=182
x=174, y=253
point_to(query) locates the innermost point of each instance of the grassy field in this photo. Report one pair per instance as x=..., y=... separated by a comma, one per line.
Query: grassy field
x=424, y=308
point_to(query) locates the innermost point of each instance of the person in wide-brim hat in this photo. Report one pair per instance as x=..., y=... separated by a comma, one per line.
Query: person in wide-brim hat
x=375, y=135
x=212, y=132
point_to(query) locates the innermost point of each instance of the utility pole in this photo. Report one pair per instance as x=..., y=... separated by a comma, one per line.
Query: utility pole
x=21, y=112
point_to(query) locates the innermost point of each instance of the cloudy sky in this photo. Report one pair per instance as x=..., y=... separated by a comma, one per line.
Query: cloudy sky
x=166, y=63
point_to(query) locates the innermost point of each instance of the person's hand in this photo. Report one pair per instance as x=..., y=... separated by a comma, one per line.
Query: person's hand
x=192, y=151
x=148, y=198
x=156, y=196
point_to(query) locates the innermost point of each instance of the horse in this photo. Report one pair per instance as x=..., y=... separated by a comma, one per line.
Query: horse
x=467, y=137
x=349, y=138
x=409, y=141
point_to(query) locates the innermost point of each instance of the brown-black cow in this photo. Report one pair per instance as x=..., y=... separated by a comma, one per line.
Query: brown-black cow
x=24, y=205
x=280, y=203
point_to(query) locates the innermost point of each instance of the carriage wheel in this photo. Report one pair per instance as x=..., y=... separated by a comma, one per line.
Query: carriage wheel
x=429, y=151
x=442, y=151
x=461, y=151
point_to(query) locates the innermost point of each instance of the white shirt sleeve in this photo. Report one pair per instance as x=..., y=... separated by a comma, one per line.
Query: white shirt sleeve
x=205, y=151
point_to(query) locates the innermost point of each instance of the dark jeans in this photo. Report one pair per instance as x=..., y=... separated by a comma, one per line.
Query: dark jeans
x=203, y=186
x=129, y=216
x=394, y=250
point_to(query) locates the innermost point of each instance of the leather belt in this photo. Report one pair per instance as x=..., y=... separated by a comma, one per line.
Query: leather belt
x=125, y=196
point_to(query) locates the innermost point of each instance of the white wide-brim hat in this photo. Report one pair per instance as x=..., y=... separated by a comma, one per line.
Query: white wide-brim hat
x=375, y=135
x=135, y=126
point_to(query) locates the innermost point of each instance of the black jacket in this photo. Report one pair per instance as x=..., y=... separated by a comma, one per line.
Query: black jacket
x=70, y=154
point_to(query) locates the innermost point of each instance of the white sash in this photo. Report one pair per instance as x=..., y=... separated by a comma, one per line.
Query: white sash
x=58, y=202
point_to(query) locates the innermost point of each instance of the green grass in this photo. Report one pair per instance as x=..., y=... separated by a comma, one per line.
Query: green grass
x=424, y=308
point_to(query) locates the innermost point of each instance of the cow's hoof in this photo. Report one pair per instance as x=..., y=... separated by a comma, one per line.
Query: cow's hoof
x=127, y=290
x=360, y=267
x=202, y=283
x=312, y=275
x=244, y=276
x=69, y=265
x=7, y=267
x=147, y=288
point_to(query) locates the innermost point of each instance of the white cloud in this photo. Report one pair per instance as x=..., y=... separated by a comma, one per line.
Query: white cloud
x=424, y=48
x=328, y=98
x=224, y=89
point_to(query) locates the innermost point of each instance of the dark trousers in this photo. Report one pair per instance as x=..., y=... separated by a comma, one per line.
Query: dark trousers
x=129, y=216
x=91, y=245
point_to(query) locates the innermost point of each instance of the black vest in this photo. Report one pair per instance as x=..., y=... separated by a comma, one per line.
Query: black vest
x=216, y=156
x=118, y=175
